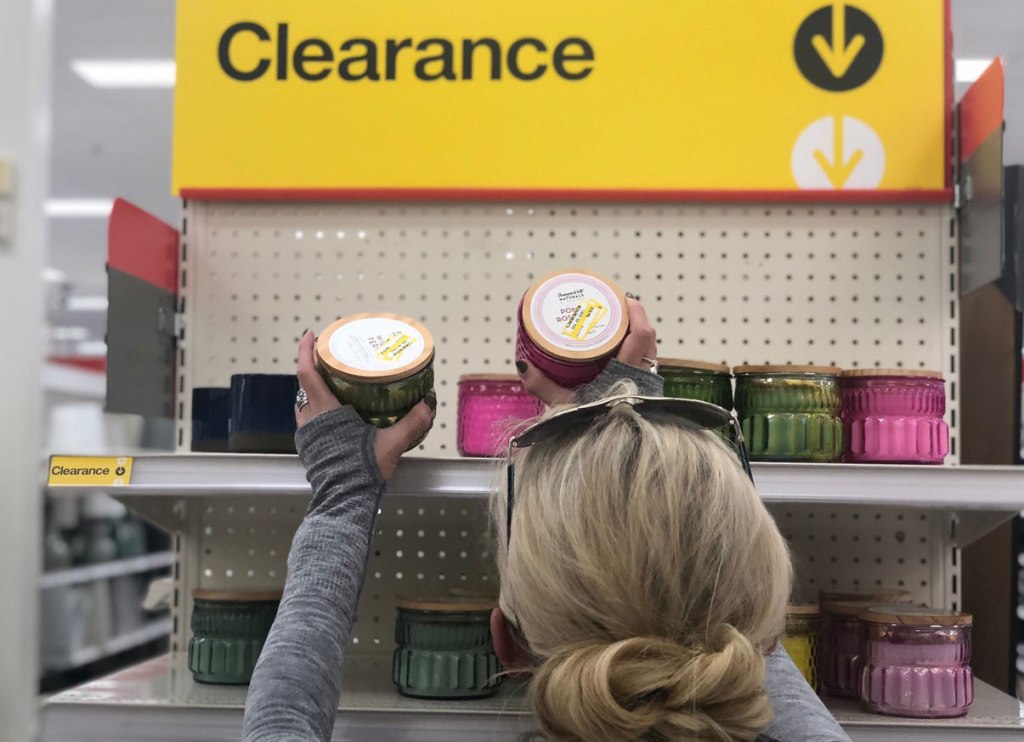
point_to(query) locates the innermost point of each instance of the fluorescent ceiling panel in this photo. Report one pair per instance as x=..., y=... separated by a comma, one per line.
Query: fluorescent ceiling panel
x=125, y=73
x=969, y=70
x=71, y=208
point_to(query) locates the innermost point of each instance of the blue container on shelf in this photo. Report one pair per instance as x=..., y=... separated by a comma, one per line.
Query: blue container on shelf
x=262, y=413
x=211, y=408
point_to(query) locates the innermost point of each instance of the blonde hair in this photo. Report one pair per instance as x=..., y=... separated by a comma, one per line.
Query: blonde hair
x=646, y=578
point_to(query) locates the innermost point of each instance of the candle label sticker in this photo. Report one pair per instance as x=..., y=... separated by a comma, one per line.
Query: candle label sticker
x=89, y=471
x=377, y=344
x=576, y=312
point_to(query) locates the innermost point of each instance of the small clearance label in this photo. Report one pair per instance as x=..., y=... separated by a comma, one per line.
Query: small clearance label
x=89, y=471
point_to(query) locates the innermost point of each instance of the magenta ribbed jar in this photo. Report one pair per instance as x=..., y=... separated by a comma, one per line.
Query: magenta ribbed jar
x=490, y=406
x=570, y=324
x=894, y=416
x=840, y=657
x=917, y=663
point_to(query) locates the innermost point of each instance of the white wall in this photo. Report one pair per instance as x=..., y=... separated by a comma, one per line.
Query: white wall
x=24, y=135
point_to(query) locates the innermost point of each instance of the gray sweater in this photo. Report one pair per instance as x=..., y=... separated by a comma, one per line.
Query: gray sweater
x=293, y=696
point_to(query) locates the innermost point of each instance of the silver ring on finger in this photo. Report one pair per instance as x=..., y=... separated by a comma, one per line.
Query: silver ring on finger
x=653, y=362
x=301, y=399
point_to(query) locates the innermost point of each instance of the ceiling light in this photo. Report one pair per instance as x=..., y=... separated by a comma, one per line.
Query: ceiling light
x=91, y=348
x=969, y=70
x=58, y=208
x=125, y=73
x=87, y=304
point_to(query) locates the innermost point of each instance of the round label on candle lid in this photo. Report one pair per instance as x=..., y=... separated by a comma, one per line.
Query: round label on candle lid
x=575, y=314
x=383, y=347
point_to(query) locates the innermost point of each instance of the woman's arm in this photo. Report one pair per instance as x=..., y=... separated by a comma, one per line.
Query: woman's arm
x=295, y=687
x=800, y=716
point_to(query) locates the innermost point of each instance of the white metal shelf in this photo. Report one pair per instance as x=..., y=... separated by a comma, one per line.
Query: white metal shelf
x=159, y=700
x=155, y=629
x=995, y=488
x=106, y=570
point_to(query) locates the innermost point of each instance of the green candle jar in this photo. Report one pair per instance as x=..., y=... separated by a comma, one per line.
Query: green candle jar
x=790, y=413
x=709, y=382
x=445, y=649
x=381, y=364
x=228, y=633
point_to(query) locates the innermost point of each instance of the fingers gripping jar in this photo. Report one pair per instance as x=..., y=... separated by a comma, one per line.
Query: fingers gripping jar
x=570, y=325
x=381, y=364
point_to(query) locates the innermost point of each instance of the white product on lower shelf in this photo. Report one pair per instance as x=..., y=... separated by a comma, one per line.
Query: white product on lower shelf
x=159, y=700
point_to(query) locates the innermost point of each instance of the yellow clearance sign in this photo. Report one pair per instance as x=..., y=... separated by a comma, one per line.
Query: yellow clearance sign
x=451, y=97
x=90, y=471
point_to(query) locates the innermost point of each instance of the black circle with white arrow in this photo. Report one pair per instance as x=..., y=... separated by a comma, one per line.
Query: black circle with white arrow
x=838, y=47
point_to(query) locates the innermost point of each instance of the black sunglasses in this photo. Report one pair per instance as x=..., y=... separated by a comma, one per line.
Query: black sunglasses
x=703, y=415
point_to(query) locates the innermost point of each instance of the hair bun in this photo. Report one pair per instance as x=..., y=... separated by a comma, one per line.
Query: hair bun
x=651, y=687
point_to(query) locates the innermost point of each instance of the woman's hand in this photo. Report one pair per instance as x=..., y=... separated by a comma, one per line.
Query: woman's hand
x=640, y=342
x=389, y=443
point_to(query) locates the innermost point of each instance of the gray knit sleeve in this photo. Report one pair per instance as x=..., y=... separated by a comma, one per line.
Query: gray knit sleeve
x=295, y=688
x=647, y=384
x=800, y=716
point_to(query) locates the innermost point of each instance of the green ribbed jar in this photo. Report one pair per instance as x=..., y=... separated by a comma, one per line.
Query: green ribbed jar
x=381, y=364
x=790, y=413
x=444, y=649
x=228, y=633
x=709, y=382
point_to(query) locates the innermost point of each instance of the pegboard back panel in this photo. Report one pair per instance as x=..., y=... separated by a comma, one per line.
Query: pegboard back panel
x=848, y=547
x=851, y=286
x=422, y=546
x=428, y=546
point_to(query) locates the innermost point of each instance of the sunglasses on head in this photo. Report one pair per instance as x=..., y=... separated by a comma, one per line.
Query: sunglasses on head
x=702, y=415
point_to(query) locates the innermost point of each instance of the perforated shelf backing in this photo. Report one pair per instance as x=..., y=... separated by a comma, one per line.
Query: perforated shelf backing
x=851, y=286
x=434, y=545
x=840, y=285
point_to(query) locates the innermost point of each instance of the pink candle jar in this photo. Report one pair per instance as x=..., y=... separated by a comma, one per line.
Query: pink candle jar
x=894, y=416
x=917, y=662
x=490, y=406
x=570, y=325
x=839, y=654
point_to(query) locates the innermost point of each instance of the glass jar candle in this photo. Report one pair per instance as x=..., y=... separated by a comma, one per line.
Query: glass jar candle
x=790, y=413
x=381, y=364
x=917, y=662
x=444, y=648
x=894, y=416
x=801, y=639
x=490, y=406
x=228, y=633
x=570, y=325
x=839, y=650
x=709, y=382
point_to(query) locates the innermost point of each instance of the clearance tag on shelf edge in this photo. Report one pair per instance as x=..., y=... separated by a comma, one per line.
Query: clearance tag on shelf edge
x=89, y=471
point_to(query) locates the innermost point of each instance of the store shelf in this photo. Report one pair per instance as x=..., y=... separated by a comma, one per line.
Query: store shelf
x=153, y=630
x=999, y=488
x=73, y=382
x=106, y=570
x=158, y=700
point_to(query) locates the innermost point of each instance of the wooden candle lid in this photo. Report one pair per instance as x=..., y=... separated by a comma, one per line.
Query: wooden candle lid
x=786, y=369
x=381, y=372
x=718, y=368
x=915, y=616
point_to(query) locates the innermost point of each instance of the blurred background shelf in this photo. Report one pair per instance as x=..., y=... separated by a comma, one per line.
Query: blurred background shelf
x=155, y=629
x=104, y=571
x=159, y=700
